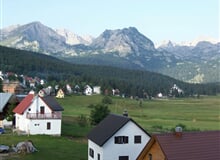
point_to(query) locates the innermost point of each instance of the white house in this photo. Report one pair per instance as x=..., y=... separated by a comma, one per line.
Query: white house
x=116, y=137
x=97, y=90
x=38, y=115
x=87, y=90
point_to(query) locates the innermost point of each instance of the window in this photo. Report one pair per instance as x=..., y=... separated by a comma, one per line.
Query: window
x=137, y=139
x=98, y=156
x=42, y=110
x=123, y=158
x=121, y=139
x=150, y=156
x=91, y=152
x=48, y=125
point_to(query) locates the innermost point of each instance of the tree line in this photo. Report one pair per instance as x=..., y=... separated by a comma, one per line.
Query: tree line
x=129, y=82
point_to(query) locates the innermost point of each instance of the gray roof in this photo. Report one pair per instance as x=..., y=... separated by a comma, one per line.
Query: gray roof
x=4, y=98
x=52, y=103
x=108, y=127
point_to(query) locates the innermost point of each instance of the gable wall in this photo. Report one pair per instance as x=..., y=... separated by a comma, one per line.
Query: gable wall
x=35, y=106
x=155, y=151
x=97, y=150
x=113, y=151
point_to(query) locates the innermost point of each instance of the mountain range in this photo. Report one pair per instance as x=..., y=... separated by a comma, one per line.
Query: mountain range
x=125, y=48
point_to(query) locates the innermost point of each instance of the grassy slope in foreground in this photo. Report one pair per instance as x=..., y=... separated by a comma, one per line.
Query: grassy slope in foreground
x=154, y=116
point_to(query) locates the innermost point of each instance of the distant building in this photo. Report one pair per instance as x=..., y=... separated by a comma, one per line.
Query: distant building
x=159, y=95
x=97, y=90
x=13, y=87
x=60, y=94
x=87, y=90
x=115, y=92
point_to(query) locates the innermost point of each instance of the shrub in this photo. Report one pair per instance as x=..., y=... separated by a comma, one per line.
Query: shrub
x=82, y=120
x=107, y=100
x=98, y=113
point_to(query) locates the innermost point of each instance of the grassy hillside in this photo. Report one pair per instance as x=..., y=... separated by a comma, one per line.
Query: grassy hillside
x=129, y=82
x=202, y=113
x=154, y=116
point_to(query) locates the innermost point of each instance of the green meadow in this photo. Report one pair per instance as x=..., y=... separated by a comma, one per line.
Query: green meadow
x=155, y=116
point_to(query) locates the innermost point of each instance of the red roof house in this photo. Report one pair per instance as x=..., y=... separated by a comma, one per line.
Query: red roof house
x=183, y=146
x=38, y=115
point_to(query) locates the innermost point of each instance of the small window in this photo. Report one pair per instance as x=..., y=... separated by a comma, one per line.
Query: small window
x=150, y=156
x=123, y=158
x=98, y=156
x=48, y=125
x=137, y=139
x=42, y=110
x=91, y=152
x=121, y=139
x=29, y=109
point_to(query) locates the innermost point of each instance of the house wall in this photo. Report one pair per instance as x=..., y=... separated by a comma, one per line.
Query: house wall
x=97, y=90
x=35, y=107
x=21, y=122
x=97, y=150
x=155, y=151
x=112, y=151
x=38, y=126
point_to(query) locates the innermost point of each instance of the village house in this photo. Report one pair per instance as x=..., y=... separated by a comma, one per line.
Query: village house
x=60, y=94
x=38, y=115
x=13, y=87
x=97, y=90
x=87, y=90
x=116, y=137
x=182, y=145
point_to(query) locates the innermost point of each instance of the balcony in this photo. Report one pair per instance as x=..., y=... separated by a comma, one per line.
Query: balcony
x=56, y=115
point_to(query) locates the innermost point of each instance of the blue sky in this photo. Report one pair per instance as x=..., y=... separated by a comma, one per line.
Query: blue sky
x=175, y=20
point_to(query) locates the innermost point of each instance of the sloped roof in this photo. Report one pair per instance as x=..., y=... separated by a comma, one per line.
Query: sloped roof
x=4, y=98
x=24, y=104
x=191, y=145
x=52, y=103
x=108, y=127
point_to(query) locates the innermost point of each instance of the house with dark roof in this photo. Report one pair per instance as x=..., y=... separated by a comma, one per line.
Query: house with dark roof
x=116, y=137
x=38, y=115
x=182, y=145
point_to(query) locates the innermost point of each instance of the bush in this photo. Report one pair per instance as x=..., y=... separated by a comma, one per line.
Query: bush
x=98, y=113
x=107, y=100
x=82, y=120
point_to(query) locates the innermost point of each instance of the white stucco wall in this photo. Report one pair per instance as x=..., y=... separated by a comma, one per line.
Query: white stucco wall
x=112, y=151
x=97, y=150
x=35, y=106
x=38, y=126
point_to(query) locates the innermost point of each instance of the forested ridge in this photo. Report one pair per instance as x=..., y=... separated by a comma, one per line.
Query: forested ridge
x=129, y=82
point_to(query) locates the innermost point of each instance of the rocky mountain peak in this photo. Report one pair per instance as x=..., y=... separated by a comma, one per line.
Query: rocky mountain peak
x=124, y=41
x=72, y=38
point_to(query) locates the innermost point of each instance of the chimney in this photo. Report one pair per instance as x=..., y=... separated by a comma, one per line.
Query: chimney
x=125, y=113
x=178, y=131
